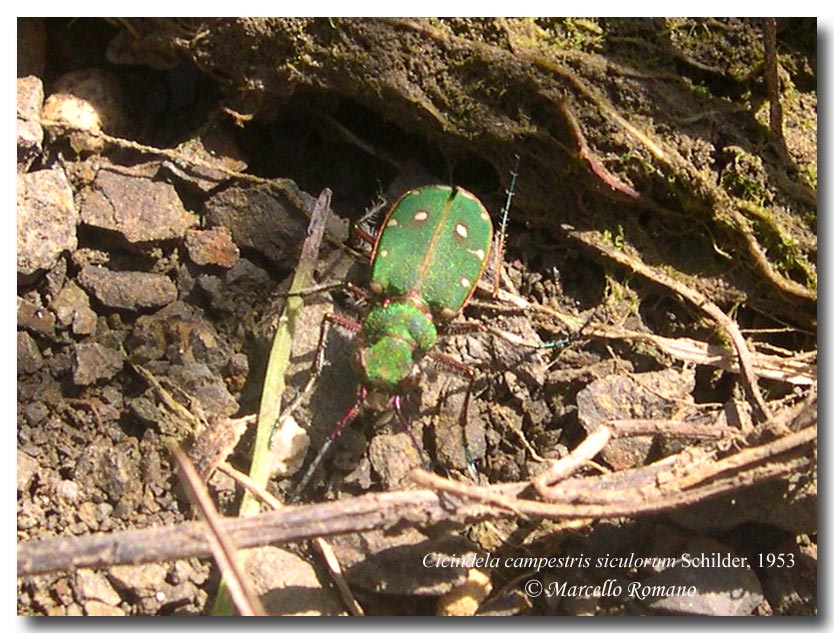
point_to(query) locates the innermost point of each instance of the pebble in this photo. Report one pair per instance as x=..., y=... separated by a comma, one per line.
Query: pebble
x=34, y=412
x=213, y=247
x=719, y=590
x=94, y=607
x=29, y=130
x=72, y=307
x=128, y=290
x=138, y=208
x=92, y=585
x=46, y=220
x=35, y=318
x=288, y=585
x=87, y=100
x=29, y=359
x=94, y=362
x=258, y=220
x=26, y=468
x=658, y=394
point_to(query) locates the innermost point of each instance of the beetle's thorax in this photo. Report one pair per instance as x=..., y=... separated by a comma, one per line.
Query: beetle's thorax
x=395, y=336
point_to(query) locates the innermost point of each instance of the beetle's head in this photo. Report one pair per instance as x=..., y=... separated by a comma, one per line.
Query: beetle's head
x=388, y=365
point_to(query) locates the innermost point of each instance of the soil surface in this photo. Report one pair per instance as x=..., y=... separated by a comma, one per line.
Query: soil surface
x=627, y=427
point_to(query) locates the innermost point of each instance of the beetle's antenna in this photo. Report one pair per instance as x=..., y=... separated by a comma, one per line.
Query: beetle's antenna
x=502, y=233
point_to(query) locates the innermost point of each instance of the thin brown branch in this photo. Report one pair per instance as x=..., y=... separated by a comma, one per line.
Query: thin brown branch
x=577, y=458
x=245, y=598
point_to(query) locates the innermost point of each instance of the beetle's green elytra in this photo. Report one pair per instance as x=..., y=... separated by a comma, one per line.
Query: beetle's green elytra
x=434, y=244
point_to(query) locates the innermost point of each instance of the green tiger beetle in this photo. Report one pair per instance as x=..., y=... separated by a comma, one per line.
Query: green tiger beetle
x=429, y=255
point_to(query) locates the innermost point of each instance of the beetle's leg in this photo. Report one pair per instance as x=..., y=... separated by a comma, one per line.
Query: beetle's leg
x=318, y=360
x=334, y=433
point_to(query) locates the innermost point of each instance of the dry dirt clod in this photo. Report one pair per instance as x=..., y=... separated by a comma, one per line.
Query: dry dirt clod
x=72, y=307
x=128, y=290
x=661, y=394
x=140, y=209
x=213, y=247
x=87, y=100
x=46, y=220
x=29, y=130
x=95, y=362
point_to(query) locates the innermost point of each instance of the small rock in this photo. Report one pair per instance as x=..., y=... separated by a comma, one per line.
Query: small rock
x=289, y=446
x=34, y=318
x=128, y=290
x=236, y=372
x=29, y=130
x=94, y=362
x=259, y=220
x=213, y=247
x=141, y=209
x=393, y=457
x=465, y=599
x=86, y=514
x=34, y=412
x=646, y=395
x=29, y=359
x=46, y=220
x=87, y=100
x=204, y=386
x=113, y=470
x=180, y=333
x=26, y=469
x=288, y=585
x=72, y=307
x=92, y=585
x=66, y=490
x=94, y=607
x=720, y=588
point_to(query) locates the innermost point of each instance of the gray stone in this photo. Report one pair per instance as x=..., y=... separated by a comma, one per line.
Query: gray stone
x=128, y=290
x=140, y=209
x=72, y=307
x=46, y=220
x=92, y=585
x=94, y=362
x=29, y=130
x=29, y=359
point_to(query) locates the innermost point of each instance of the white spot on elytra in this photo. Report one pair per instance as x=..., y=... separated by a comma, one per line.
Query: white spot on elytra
x=465, y=282
x=383, y=253
x=421, y=216
x=460, y=230
x=479, y=254
x=393, y=222
x=485, y=216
